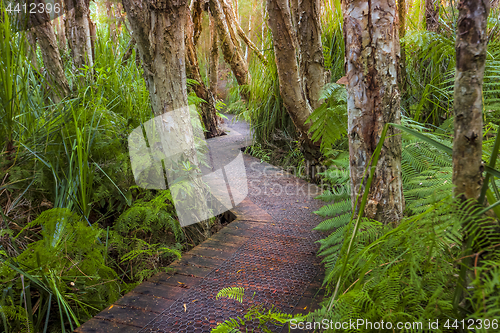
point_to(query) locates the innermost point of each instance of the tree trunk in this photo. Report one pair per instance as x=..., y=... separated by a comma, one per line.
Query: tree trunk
x=234, y=25
x=31, y=39
x=128, y=52
x=208, y=111
x=112, y=23
x=311, y=60
x=372, y=52
x=213, y=58
x=291, y=86
x=197, y=16
x=159, y=30
x=61, y=34
x=78, y=30
x=231, y=49
x=402, y=32
x=432, y=15
x=50, y=54
x=470, y=45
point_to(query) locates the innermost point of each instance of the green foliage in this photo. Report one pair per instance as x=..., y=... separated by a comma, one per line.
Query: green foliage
x=66, y=265
x=408, y=272
x=333, y=39
x=151, y=215
x=265, y=111
x=329, y=120
x=235, y=293
x=259, y=313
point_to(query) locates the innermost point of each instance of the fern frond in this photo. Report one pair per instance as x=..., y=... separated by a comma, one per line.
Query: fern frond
x=334, y=209
x=333, y=223
x=235, y=293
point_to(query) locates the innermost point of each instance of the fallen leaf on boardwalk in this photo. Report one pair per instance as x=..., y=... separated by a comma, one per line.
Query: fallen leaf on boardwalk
x=185, y=308
x=305, y=308
x=180, y=282
x=194, y=301
x=238, y=271
x=110, y=307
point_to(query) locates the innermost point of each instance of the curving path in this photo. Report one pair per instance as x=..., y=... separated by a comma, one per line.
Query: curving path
x=269, y=249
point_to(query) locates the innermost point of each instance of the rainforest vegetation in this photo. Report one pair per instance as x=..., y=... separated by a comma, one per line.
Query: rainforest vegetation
x=392, y=107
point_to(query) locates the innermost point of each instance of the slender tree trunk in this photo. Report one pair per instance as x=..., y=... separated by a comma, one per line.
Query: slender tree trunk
x=50, y=53
x=432, y=15
x=61, y=34
x=402, y=31
x=213, y=58
x=291, y=85
x=208, y=111
x=234, y=25
x=78, y=30
x=470, y=45
x=372, y=52
x=112, y=23
x=311, y=60
x=197, y=15
x=231, y=50
x=232, y=21
x=249, y=36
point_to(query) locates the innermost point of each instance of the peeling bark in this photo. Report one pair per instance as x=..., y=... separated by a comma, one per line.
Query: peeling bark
x=50, y=53
x=470, y=46
x=291, y=85
x=432, y=15
x=197, y=15
x=208, y=111
x=311, y=60
x=291, y=88
x=159, y=28
x=231, y=50
x=402, y=31
x=213, y=58
x=61, y=34
x=78, y=32
x=372, y=52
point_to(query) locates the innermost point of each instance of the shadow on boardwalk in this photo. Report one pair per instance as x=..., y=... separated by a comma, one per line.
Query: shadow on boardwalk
x=269, y=249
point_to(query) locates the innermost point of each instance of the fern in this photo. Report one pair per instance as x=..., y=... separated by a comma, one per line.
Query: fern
x=235, y=293
x=328, y=121
x=334, y=209
x=334, y=223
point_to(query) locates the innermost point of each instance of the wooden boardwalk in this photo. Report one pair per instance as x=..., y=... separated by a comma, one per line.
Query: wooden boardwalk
x=269, y=249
